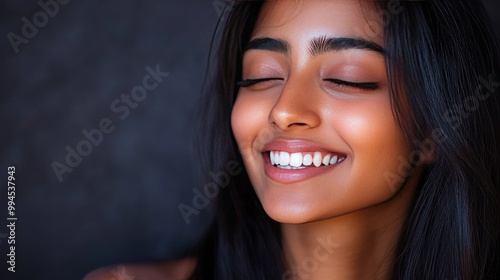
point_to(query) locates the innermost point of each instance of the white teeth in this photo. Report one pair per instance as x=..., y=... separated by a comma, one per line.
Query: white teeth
x=307, y=160
x=284, y=158
x=317, y=159
x=326, y=160
x=290, y=167
x=296, y=159
x=333, y=160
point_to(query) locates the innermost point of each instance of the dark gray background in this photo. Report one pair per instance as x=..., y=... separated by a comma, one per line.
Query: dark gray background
x=121, y=203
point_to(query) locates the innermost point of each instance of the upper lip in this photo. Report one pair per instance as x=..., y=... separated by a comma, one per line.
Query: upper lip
x=295, y=146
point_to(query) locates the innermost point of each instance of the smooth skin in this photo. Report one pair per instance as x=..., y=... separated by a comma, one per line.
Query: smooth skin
x=353, y=208
x=345, y=223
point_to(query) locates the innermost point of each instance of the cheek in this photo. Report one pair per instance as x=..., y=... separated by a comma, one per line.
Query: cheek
x=247, y=118
x=377, y=143
x=371, y=128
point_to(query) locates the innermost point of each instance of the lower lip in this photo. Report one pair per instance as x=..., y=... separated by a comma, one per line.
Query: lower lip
x=294, y=175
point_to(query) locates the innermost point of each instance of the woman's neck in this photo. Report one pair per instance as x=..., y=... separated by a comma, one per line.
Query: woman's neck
x=358, y=245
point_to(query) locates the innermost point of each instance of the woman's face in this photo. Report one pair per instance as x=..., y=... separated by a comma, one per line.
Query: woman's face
x=317, y=135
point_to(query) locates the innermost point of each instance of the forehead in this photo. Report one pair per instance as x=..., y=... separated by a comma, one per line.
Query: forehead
x=300, y=20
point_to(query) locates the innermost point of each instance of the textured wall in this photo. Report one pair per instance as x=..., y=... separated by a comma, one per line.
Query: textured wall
x=119, y=203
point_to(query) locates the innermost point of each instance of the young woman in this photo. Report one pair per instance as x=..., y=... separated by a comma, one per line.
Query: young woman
x=369, y=133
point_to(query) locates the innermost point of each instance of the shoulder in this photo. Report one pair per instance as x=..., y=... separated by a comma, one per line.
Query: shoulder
x=170, y=270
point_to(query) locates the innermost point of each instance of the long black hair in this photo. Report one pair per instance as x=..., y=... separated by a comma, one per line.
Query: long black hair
x=443, y=67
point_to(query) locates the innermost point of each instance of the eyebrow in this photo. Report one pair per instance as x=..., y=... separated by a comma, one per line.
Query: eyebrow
x=269, y=44
x=317, y=46
x=323, y=44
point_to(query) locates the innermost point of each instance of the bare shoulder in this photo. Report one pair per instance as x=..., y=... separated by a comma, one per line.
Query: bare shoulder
x=170, y=270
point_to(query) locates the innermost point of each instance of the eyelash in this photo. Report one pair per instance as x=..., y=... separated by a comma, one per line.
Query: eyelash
x=367, y=86
x=251, y=82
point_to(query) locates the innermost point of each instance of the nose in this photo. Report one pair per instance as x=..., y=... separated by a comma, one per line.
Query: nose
x=297, y=107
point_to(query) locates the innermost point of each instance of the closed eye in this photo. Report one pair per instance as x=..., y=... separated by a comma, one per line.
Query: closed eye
x=342, y=83
x=251, y=82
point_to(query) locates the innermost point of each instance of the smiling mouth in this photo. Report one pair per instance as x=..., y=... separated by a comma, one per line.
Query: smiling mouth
x=296, y=161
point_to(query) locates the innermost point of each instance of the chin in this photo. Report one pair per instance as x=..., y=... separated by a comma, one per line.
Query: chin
x=286, y=211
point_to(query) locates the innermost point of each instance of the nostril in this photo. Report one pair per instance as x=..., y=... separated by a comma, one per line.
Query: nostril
x=298, y=124
x=288, y=117
x=288, y=126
